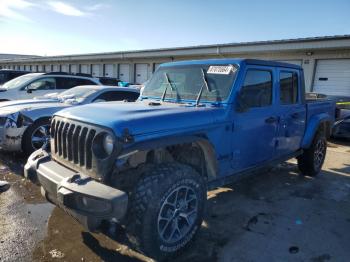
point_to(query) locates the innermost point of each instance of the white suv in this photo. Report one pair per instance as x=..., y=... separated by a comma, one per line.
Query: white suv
x=39, y=84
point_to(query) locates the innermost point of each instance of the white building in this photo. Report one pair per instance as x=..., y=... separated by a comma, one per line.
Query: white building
x=325, y=60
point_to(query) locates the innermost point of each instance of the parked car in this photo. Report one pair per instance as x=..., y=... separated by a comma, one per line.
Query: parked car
x=38, y=84
x=8, y=74
x=341, y=126
x=198, y=125
x=24, y=124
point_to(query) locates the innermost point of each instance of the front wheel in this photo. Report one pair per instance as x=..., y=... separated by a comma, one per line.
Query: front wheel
x=311, y=161
x=166, y=209
x=36, y=136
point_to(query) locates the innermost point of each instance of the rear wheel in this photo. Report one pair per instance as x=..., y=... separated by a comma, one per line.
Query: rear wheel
x=36, y=136
x=166, y=209
x=311, y=161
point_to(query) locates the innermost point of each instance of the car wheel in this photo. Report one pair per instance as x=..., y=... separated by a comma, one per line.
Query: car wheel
x=166, y=209
x=311, y=161
x=36, y=136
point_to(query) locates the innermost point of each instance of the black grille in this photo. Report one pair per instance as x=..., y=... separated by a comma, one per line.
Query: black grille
x=72, y=142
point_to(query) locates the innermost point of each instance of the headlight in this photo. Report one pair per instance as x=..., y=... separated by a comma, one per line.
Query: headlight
x=108, y=144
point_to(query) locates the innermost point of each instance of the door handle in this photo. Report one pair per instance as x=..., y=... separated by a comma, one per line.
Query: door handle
x=271, y=120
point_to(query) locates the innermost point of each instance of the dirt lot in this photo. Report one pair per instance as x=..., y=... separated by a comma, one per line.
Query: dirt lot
x=275, y=216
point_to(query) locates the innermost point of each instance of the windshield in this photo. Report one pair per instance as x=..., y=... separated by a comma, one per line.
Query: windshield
x=18, y=81
x=186, y=82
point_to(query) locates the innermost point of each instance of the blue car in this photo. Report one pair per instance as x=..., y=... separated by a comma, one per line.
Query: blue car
x=197, y=125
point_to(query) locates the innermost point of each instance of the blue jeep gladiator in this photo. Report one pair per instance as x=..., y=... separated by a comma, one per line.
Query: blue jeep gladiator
x=197, y=125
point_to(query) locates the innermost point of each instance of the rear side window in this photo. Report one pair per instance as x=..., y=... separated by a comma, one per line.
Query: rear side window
x=109, y=81
x=69, y=82
x=257, y=89
x=117, y=96
x=288, y=88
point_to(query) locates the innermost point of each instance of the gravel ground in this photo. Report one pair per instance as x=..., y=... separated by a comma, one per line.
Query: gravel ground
x=275, y=216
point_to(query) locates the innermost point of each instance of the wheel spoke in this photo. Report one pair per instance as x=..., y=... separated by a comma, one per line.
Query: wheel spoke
x=176, y=228
x=166, y=226
x=187, y=216
x=36, y=139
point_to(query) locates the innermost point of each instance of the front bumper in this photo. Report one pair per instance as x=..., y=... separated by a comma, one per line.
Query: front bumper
x=85, y=199
x=11, y=138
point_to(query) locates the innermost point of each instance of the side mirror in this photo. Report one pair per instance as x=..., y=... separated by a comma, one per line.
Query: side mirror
x=28, y=89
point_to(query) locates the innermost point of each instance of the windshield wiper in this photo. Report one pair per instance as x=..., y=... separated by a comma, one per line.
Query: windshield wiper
x=205, y=83
x=171, y=86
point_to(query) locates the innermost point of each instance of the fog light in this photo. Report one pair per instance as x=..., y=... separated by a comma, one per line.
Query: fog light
x=94, y=205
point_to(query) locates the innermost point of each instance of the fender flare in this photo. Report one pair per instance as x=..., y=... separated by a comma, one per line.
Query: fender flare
x=206, y=147
x=312, y=126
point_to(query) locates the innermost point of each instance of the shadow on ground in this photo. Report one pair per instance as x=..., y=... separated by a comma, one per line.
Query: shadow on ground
x=267, y=211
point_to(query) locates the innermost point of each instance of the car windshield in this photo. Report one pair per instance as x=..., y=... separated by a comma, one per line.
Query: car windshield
x=187, y=82
x=19, y=81
x=76, y=94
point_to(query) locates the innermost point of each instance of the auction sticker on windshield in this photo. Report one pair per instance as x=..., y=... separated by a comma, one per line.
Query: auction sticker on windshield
x=221, y=70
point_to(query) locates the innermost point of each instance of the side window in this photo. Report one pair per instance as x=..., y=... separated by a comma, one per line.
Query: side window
x=82, y=82
x=69, y=82
x=257, y=89
x=117, y=96
x=288, y=88
x=48, y=83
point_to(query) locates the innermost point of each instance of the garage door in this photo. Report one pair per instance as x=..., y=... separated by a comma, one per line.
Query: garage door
x=55, y=68
x=109, y=70
x=96, y=70
x=332, y=77
x=124, y=72
x=84, y=69
x=64, y=68
x=47, y=68
x=74, y=69
x=141, y=73
x=294, y=62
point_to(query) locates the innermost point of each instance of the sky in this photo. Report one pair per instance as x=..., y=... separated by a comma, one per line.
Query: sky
x=55, y=27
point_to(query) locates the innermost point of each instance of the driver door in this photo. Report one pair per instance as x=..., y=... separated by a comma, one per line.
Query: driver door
x=255, y=122
x=39, y=87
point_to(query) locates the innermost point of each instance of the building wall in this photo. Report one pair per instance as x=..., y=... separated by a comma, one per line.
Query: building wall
x=309, y=61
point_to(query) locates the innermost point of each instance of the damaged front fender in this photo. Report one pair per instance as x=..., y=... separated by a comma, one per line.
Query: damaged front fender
x=12, y=130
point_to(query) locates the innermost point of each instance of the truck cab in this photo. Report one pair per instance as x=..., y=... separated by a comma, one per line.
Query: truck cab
x=197, y=125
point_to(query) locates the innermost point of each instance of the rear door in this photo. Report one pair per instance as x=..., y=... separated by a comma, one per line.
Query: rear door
x=255, y=127
x=292, y=111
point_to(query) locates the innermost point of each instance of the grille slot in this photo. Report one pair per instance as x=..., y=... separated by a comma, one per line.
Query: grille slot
x=73, y=142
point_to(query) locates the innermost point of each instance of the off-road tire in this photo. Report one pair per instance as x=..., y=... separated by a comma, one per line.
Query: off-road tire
x=148, y=199
x=27, y=146
x=308, y=162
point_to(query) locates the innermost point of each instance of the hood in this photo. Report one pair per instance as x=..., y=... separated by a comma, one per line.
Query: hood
x=28, y=105
x=141, y=118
